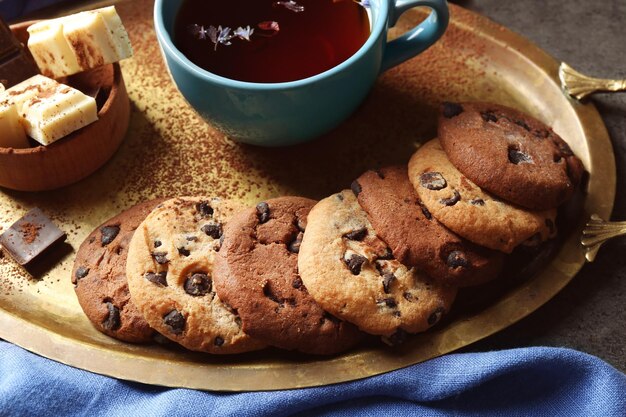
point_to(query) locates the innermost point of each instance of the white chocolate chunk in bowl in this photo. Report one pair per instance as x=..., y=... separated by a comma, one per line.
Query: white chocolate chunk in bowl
x=79, y=42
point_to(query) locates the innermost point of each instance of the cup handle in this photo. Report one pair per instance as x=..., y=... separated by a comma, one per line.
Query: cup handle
x=419, y=38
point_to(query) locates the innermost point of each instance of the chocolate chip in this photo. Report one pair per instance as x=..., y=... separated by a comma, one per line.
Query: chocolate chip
x=191, y=238
x=452, y=200
x=387, y=280
x=451, y=110
x=435, y=316
x=381, y=267
x=356, y=188
x=205, y=209
x=339, y=197
x=380, y=174
x=477, y=202
x=218, y=341
x=160, y=257
x=112, y=320
x=355, y=263
x=388, y=302
x=294, y=246
x=109, y=233
x=157, y=243
x=425, y=211
x=357, y=235
x=81, y=272
x=408, y=296
x=263, y=212
x=522, y=124
x=160, y=278
x=397, y=338
x=213, y=230
x=456, y=259
x=433, y=181
x=267, y=291
x=175, y=321
x=391, y=303
x=488, y=116
x=297, y=283
x=184, y=251
x=518, y=157
x=557, y=158
x=198, y=284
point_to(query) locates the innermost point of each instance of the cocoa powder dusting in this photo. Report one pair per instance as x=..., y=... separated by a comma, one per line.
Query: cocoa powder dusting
x=30, y=232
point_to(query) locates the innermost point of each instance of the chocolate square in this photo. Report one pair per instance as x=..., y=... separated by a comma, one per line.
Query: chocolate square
x=16, y=62
x=17, y=68
x=30, y=236
x=8, y=43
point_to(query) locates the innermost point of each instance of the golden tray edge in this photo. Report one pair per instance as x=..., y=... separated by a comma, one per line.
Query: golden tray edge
x=360, y=364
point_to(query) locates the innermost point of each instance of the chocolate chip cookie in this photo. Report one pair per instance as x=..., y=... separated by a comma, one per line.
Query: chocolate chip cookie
x=99, y=277
x=469, y=211
x=170, y=267
x=510, y=154
x=415, y=237
x=256, y=272
x=353, y=275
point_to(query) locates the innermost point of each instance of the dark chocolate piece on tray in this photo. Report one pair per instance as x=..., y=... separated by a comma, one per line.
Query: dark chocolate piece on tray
x=30, y=236
x=16, y=63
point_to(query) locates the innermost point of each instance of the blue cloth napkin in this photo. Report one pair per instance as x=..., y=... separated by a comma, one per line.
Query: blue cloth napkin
x=520, y=382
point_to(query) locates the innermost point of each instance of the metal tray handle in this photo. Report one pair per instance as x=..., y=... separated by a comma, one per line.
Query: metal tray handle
x=597, y=231
x=580, y=86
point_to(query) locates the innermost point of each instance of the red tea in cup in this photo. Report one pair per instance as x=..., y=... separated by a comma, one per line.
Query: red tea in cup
x=267, y=41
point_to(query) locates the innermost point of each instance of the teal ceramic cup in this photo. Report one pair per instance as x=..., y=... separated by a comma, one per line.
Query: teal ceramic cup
x=278, y=114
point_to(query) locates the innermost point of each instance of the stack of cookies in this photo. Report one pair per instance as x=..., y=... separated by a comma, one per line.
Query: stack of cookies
x=385, y=257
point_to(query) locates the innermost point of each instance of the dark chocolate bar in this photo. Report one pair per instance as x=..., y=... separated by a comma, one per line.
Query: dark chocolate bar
x=16, y=63
x=30, y=236
x=8, y=42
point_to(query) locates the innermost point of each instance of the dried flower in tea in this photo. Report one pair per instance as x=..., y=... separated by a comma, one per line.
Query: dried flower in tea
x=290, y=5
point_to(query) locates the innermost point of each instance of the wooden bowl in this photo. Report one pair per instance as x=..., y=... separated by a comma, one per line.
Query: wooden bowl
x=79, y=154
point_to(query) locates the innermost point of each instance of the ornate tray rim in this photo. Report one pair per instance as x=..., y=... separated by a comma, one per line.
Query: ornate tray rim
x=229, y=375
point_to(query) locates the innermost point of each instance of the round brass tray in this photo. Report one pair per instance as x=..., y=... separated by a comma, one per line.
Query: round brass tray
x=170, y=151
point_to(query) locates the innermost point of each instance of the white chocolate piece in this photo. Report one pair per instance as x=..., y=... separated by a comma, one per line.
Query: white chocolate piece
x=49, y=110
x=26, y=90
x=120, y=36
x=79, y=42
x=12, y=133
x=53, y=54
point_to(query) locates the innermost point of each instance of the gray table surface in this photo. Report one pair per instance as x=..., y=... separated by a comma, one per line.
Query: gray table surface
x=590, y=313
